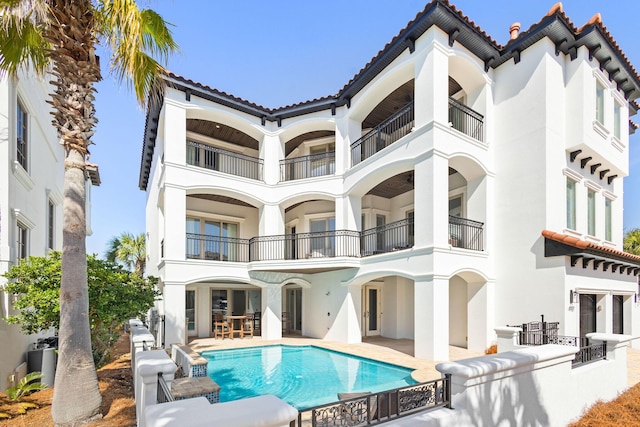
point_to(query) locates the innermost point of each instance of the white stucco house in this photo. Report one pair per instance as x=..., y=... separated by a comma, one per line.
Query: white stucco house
x=31, y=195
x=452, y=186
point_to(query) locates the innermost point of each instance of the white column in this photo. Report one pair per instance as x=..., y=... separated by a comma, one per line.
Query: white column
x=175, y=213
x=175, y=133
x=432, y=80
x=271, y=326
x=431, y=201
x=347, y=132
x=431, y=318
x=271, y=220
x=347, y=211
x=271, y=151
x=147, y=367
x=174, y=318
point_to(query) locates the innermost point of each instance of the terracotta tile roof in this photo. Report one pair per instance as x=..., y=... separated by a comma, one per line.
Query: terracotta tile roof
x=588, y=246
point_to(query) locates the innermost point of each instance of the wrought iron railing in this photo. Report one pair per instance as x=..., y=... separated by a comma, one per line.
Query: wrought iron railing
x=590, y=353
x=308, y=166
x=466, y=120
x=216, y=248
x=541, y=333
x=383, y=135
x=221, y=160
x=323, y=244
x=164, y=394
x=382, y=407
x=391, y=237
x=466, y=233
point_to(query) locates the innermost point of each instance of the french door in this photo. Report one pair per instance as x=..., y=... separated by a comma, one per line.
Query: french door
x=371, y=310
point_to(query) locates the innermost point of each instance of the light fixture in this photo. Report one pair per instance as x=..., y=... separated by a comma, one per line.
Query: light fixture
x=573, y=297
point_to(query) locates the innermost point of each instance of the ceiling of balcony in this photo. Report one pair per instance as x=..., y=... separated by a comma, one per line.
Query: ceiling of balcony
x=221, y=199
x=221, y=132
x=398, y=99
x=402, y=183
x=291, y=145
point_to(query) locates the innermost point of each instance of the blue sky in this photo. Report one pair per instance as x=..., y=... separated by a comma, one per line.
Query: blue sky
x=279, y=52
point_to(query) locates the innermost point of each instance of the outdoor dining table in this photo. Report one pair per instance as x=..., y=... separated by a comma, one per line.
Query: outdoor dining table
x=236, y=324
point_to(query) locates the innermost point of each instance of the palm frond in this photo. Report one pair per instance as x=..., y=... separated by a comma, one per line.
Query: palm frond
x=22, y=43
x=135, y=37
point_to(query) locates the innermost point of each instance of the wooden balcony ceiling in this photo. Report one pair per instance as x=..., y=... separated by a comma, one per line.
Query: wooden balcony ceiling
x=221, y=199
x=398, y=99
x=394, y=186
x=291, y=144
x=222, y=132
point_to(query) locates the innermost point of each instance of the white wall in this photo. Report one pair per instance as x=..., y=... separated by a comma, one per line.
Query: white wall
x=24, y=196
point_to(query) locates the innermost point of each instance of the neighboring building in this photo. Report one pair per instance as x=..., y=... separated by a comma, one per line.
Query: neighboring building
x=453, y=185
x=31, y=194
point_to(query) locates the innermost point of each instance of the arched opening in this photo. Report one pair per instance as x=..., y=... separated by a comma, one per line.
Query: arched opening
x=467, y=203
x=218, y=228
x=387, y=215
x=223, y=148
x=309, y=155
x=469, y=311
x=390, y=120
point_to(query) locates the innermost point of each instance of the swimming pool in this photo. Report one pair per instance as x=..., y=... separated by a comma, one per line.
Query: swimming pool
x=302, y=376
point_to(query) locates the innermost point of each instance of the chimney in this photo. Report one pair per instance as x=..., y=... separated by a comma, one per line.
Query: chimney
x=513, y=30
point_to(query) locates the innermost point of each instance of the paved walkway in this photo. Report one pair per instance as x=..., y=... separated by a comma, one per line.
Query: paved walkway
x=395, y=351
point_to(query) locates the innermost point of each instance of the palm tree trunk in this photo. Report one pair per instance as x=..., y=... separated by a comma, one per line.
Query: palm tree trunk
x=76, y=396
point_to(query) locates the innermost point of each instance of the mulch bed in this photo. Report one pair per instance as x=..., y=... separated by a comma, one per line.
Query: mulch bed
x=118, y=406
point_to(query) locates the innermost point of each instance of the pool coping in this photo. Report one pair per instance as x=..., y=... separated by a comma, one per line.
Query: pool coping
x=422, y=370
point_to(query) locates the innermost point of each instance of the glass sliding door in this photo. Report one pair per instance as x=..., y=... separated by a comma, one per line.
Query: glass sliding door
x=323, y=244
x=193, y=238
x=190, y=311
x=212, y=244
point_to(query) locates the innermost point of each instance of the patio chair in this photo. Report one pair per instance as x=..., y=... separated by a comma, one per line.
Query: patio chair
x=257, y=323
x=220, y=326
x=247, y=325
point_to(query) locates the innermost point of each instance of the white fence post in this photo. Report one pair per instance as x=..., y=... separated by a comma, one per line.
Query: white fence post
x=147, y=367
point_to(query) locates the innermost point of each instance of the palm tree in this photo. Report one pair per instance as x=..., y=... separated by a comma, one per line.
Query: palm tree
x=129, y=250
x=632, y=241
x=59, y=37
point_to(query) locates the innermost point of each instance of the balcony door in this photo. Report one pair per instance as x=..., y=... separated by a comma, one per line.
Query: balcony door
x=371, y=310
x=322, y=244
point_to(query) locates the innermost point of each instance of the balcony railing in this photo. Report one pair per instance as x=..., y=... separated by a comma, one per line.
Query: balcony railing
x=218, y=159
x=323, y=244
x=466, y=233
x=308, y=166
x=466, y=120
x=381, y=407
x=383, y=135
x=215, y=248
x=391, y=237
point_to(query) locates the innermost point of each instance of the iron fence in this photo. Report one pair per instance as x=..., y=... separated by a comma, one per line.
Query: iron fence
x=466, y=120
x=541, y=333
x=390, y=237
x=164, y=393
x=377, y=408
x=308, y=166
x=466, y=233
x=383, y=135
x=590, y=353
x=216, y=248
x=221, y=160
x=322, y=244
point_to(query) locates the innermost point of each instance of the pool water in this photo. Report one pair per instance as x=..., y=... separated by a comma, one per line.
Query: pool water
x=302, y=376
